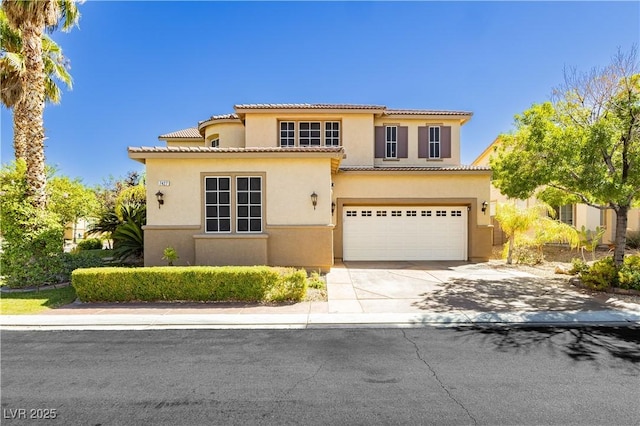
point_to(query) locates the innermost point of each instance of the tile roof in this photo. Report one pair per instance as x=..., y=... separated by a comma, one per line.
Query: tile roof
x=232, y=116
x=424, y=112
x=307, y=106
x=415, y=169
x=191, y=133
x=207, y=149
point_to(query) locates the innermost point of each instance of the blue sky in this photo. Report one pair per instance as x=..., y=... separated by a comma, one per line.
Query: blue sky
x=142, y=69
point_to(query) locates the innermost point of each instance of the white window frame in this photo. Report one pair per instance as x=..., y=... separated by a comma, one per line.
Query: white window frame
x=215, y=143
x=435, y=147
x=307, y=135
x=287, y=134
x=217, y=204
x=332, y=134
x=250, y=205
x=391, y=142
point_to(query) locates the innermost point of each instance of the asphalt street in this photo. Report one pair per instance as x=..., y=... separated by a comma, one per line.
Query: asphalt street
x=456, y=376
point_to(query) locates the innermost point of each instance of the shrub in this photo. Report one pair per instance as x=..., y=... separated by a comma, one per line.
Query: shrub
x=633, y=239
x=602, y=275
x=82, y=259
x=629, y=274
x=525, y=254
x=578, y=266
x=170, y=255
x=196, y=283
x=90, y=244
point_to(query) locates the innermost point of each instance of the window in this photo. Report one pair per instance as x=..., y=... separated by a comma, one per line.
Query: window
x=366, y=213
x=215, y=143
x=565, y=214
x=309, y=133
x=217, y=204
x=249, y=204
x=332, y=133
x=351, y=213
x=441, y=213
x=391, y=142
x=411, y=213
x=381, y=213
x=287, y=133
x=434, y=142
x=396, y=213
x=456, y=213
x=426, y=212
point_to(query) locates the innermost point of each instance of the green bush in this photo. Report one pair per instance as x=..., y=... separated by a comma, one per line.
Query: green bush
x=602, y=275
x=90, y=244
x=195, y=283
x=82, y=259
x=629, y=274
x=578, y=266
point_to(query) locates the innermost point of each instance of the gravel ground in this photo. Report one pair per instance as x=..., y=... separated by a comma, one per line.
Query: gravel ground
x=559, y=258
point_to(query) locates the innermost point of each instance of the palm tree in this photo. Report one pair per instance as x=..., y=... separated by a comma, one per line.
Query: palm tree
x=11, y=68
x=32, y=18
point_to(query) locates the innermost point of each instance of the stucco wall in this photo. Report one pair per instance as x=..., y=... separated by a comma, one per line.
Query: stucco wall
x=413, y=159
x=468, y=190
x=288, y=185
x=231, y=135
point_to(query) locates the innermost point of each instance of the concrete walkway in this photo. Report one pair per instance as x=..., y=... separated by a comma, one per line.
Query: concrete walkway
x=364, y=294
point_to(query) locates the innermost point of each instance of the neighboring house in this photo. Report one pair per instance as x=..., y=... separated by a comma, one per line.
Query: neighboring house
x=304, y=184
x=577, y=215
x=76, y=231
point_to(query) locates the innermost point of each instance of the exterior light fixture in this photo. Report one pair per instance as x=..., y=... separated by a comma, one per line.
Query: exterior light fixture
x=333, y=207
x=160, y=198
x=484, y=207
x=314, y=199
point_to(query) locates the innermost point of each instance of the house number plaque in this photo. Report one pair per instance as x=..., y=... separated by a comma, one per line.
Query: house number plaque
x=164, y=183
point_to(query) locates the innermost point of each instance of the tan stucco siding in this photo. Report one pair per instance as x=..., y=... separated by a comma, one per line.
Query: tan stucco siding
x=412, y=159
x=231, y=135
x=185, y=142
x=418, y=189
x=358, y=140
x=288, y=186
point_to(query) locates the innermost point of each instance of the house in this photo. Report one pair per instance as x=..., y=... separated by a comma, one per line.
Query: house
x=577, y=215
x=304, y=184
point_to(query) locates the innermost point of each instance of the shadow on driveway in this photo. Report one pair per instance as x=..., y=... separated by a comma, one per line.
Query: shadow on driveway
x=507, y=295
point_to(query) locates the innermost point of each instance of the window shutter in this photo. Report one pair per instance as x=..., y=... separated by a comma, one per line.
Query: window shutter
x=379, y=142
x=445, y=142
x=423, y=142
x=403, y=142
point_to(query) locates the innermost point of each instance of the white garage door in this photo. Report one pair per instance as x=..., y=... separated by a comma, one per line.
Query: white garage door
x=404, y=233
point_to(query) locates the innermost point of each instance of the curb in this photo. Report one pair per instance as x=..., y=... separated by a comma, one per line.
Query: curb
x=312, y=321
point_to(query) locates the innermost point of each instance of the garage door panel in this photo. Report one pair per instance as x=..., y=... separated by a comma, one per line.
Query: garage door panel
x=405, y=233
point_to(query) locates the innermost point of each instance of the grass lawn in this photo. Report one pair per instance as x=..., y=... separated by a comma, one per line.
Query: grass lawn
x=35, y=302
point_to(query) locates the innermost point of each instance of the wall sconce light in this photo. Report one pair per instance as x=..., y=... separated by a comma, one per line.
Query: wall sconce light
x=160, y=198
x=314, y=199
x=484, y=207
x=333, y=207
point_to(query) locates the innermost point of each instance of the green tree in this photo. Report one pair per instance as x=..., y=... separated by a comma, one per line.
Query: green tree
x=56, y=68
x=585, y=143
x=32, y=18
x=71, y=200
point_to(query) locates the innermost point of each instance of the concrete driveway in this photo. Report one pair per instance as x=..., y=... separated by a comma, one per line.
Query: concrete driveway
x=446, y=287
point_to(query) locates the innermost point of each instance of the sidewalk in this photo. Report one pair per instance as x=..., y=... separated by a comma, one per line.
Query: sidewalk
x=365, y=295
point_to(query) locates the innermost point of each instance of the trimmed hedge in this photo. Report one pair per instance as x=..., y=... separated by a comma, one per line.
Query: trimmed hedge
x=189, y=283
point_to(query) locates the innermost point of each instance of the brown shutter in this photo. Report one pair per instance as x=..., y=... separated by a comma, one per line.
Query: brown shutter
x=445, y=142
x=403, y=142
x=423, y=142
x=379, y=142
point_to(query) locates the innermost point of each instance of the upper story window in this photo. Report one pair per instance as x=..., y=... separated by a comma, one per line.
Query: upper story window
x=287, y=133
x=391, y=141
x=332, y=133
x=309, y=133
x=434, y=142
x=215, y=143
